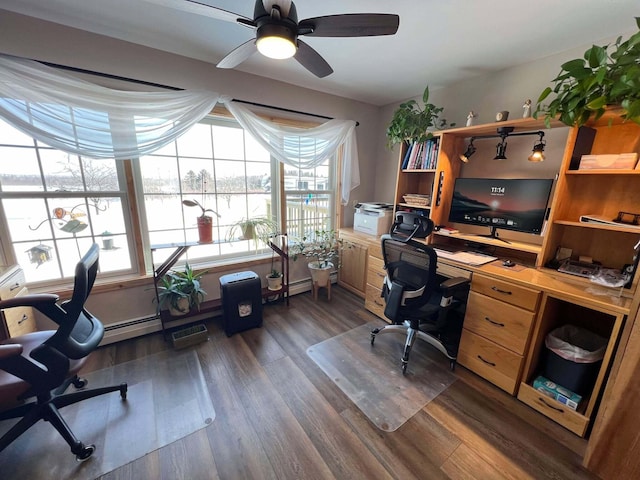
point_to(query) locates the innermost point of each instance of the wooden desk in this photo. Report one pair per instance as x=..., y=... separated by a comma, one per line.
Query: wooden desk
x=528, y=302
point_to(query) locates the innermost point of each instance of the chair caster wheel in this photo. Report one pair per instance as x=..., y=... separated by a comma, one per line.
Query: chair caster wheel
x=404, y=368
x=373, y=338
x=123, y=391
x=85, y=452
x=80, y=382
x=452, y=365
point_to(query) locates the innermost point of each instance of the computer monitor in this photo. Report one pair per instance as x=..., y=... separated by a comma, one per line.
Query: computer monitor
x=510, y=204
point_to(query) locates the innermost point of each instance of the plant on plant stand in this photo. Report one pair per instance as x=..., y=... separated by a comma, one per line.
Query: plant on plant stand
x=588, y=86
x=180, y=291
x=258, y=229
x=274, y=280
x=205, y=222
x=323, y=249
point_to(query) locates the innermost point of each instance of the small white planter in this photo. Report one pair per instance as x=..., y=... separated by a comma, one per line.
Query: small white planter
x=183, y=307
x=274, y=283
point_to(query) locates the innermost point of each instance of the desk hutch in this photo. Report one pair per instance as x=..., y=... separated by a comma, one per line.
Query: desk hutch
x=511, y=310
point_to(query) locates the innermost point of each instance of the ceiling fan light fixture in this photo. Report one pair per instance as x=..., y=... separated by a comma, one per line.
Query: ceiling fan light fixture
x=276, y=41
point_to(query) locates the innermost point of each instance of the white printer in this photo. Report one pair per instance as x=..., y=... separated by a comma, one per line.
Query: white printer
x=373, y=218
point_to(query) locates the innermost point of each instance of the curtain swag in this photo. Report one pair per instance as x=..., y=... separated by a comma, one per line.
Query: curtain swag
x=90, y=120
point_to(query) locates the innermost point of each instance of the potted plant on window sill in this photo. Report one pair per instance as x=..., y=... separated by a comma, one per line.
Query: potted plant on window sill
x=180, y=291
x=205, y=222
x=588, y=87
x=107, y=240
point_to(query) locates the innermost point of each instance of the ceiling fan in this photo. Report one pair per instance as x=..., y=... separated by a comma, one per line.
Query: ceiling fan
x=277, y=30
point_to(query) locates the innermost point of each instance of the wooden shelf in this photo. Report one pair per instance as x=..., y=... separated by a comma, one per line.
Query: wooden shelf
x=418, y=170
x=411, y=205
x=599, y=226
x=511, y=245
x=617, y=171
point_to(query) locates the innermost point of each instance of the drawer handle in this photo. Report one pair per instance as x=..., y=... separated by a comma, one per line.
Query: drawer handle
x=14, y=286
x=496, y=289
x=550, y=406
x=378, y=303
x=497, y=324
x=486, y=361
x=24, y=318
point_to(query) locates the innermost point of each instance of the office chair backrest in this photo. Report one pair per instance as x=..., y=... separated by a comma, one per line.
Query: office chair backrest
x=411, y=264
x=408, y=225
x=79, y=332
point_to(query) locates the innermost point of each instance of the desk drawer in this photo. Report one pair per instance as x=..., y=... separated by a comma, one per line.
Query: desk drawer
x=570, y=419
x=12, y=285
x=506, y=292
x=489, y=360
x=19, y=320
x=500, y=322
x=375, y=272
x=375, y=250
x=374, y=302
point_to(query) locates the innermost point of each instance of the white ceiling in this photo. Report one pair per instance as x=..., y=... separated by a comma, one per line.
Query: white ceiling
x=438, y=42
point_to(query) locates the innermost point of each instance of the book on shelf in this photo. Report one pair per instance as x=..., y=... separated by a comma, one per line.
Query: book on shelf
x=448, y=231
x=421, y=156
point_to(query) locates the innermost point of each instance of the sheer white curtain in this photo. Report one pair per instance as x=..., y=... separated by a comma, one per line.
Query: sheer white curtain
x=305, y=147
x=82, y=118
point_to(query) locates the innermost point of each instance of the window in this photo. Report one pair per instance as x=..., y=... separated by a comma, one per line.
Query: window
x=54, y=205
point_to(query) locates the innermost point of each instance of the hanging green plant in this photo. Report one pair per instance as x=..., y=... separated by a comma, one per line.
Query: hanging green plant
x=410, y=123
x=586, y=87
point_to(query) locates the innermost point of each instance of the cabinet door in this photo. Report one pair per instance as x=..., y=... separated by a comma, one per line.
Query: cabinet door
x=353, y=271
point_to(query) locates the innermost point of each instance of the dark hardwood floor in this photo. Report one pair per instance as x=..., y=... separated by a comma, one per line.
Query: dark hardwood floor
x=278, y=416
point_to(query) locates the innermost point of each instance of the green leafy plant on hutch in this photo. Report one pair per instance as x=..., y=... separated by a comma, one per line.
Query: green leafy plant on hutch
x=410, y=123
x=607, y=76
x=256, y=228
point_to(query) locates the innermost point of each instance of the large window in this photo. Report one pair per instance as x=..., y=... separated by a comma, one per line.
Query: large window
x=54, y=205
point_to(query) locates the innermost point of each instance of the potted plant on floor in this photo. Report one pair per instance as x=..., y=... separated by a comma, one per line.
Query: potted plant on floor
x=180, y=291
x=205, y=222
x=601, y=80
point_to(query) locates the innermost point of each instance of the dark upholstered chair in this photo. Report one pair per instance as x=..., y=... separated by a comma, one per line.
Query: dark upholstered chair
x=420, y=303
x=37, y=368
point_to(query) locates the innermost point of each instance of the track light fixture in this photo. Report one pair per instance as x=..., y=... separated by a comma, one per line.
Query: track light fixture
x=501, y=148
x=471, y=149
x=538, y=150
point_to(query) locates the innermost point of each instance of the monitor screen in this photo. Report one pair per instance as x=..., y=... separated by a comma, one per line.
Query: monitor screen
x=511, y=204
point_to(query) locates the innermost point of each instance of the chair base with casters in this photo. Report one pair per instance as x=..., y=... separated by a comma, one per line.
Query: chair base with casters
x=39, y=367
x=420, y=303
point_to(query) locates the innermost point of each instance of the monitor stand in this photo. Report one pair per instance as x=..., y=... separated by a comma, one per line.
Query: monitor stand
x=494, y=235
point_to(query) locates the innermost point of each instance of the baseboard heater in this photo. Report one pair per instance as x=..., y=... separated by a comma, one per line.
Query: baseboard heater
x=126, y=329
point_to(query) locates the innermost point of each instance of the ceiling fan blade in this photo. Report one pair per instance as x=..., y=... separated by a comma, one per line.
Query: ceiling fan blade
x=312, y=61
x=239, y=54
x=350, y=25
x=202, y=8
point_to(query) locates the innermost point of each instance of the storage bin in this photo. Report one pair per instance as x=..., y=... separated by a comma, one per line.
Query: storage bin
x=573, y=358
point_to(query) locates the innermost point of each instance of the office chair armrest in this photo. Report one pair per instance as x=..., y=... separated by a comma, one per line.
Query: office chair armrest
x=36, y=300
x=10, y=350
x=449, y=286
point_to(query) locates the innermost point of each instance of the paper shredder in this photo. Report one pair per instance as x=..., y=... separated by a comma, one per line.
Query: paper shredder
x=241, y=295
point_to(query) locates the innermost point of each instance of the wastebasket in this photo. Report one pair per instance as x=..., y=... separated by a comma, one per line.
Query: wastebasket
x=241, y=295
x=574, y=356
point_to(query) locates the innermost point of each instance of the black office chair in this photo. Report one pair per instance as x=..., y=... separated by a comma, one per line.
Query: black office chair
x=42, y=365
x=419, y=302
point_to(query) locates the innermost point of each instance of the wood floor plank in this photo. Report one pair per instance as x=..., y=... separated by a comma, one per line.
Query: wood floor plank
x=464, y=464
x=335, y=441
x=189, y=458
x=499, y=436
x=236, y=447
x=263, y=346
x=142, y=468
